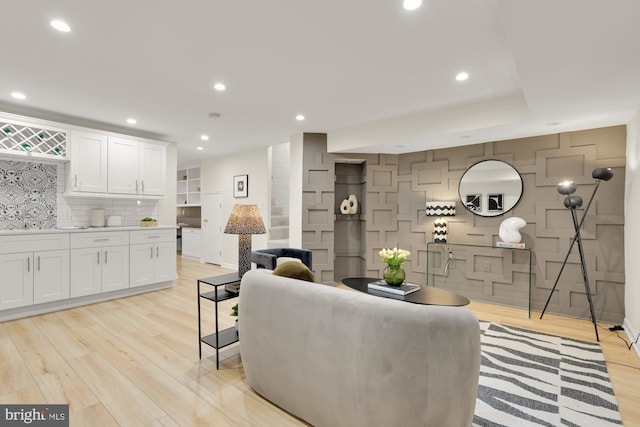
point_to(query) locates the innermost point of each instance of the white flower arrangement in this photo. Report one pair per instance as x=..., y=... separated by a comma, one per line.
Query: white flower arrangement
x=394, y=257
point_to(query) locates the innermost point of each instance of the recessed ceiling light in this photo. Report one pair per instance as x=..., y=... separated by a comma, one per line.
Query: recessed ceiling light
x=18, y=95
x=219, y=87
x=200, y=148
x=411, y=4
x=132, y=121
x=462, y=76
x=204, y=137
x=299, y=117
x=60, y=25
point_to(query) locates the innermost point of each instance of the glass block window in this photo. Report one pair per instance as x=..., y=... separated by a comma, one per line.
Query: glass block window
x=21, y=138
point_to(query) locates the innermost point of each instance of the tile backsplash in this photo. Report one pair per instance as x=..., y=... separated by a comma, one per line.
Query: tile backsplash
x=31, y=196
x=27, y=195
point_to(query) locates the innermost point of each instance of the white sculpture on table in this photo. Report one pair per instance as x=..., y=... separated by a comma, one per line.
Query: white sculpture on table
x=509, y=229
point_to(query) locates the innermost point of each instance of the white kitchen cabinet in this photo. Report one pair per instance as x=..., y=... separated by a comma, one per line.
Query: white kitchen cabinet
x=87, y=170
x=99, y=262
x=16, y=280
x=33, y=269
x=136, y=167
x=50, y=276
x=153, y=257
x=152, y=169
x=191, y=242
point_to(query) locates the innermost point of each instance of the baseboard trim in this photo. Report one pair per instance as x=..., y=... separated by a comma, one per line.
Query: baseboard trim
x=32, y=310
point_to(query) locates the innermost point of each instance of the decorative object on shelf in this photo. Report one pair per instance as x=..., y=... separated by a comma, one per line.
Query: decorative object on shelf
x=567, y=188
x=393, y=273
x=440, y=209
x=148, y=222
x=244, y=220
x=349, y=206
x=241, y=186
x=509, y=229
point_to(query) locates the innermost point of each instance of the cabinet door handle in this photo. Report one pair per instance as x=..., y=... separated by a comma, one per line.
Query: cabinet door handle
x=105, y=256
x=98, y=257
x=28, y=264
x=136, y=185
x=157, y=251
x=38, y=262
x=143, y=185
x=151, y=251
x=75, y=181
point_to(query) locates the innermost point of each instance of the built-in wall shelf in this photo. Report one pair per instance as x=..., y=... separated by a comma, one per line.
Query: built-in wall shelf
x=349, y=229
x=188, y=187
x=349, y=217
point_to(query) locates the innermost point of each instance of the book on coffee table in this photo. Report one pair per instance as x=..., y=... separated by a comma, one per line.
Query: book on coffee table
x=404, y=289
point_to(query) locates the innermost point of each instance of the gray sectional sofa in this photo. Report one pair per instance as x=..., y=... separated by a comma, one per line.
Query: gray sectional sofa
x=334, y=357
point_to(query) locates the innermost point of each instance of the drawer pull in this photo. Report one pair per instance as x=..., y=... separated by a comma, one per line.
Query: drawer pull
x=105, y=239
x=153, y=237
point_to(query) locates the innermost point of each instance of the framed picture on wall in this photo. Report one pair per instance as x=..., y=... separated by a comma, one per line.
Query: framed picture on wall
x=473, y=202
x=241, y=186
x=495, y=202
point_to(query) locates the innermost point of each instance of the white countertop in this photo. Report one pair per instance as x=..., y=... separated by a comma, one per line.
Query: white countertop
x=83, y=229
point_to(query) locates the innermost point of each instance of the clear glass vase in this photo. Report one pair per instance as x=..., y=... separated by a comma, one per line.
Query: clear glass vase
x=393, y=275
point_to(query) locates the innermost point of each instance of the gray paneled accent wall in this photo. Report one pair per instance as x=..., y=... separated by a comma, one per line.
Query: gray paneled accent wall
x=398, y=186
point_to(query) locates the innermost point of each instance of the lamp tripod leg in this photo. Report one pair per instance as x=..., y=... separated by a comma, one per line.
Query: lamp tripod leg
x=575, y=237
x=585, y=275
x=564, y=263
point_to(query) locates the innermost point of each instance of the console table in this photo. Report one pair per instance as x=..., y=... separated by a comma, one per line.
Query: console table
x=219, y=339
x=443, y=268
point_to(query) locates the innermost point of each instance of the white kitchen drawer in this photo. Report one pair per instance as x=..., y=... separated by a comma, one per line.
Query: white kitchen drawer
x=152, y=236
x=99, y=239
x=32, y=243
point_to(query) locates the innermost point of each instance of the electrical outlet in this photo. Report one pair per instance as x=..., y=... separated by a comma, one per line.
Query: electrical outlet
x=451, y=259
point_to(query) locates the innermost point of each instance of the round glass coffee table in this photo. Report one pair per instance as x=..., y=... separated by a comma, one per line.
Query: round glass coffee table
x=426, y=295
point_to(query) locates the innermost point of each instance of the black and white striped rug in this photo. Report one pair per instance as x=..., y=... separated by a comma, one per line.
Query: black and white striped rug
x=533, y=379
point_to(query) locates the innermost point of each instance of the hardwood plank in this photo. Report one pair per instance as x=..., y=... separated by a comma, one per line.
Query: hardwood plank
x=15, y=373
x=181, y=404
x=57, y=380
x=128, y=404
x=94, y=416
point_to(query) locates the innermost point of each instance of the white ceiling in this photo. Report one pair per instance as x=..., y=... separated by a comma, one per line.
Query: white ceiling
x=372, y=75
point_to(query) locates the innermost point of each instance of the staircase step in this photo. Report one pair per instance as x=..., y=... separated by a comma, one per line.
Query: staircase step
x=282, y=243
x=278, y=233
x=280, y=220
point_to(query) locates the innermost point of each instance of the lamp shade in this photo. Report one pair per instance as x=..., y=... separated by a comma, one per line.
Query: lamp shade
x=441, y=208
x=245, y=219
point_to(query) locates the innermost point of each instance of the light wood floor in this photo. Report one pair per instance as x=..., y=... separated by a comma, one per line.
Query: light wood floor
x=134, y=361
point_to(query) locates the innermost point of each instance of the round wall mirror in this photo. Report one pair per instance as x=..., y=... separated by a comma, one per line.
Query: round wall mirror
x=490, y=188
